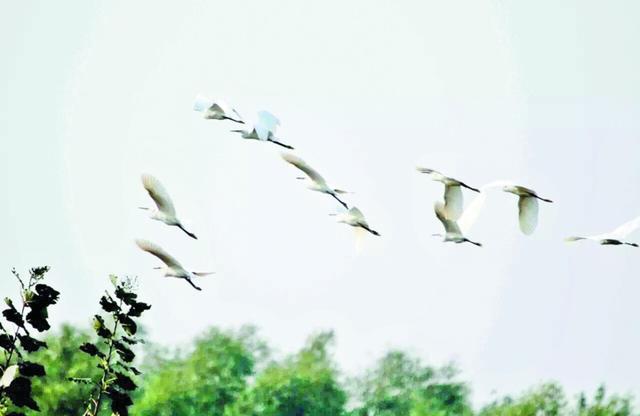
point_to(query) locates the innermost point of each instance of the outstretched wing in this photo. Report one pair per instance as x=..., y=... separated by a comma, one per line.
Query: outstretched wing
x=301, y=164
x=159, y=195
x=625, y=229
x=528, y=214
x=157, y=251
x=202, y=103
x=266, y=125
x=453, y=201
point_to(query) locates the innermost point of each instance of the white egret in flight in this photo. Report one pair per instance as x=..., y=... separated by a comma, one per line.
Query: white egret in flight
x=354, y=218
x=263, y=129
x=215, y=109
x=452, y=230
x=165, y=211
x=173, y=267
x=453, y=200
x=616, y=237
x=318, y=183
x=527, y=206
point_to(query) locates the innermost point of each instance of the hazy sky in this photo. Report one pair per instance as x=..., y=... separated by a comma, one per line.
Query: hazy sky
x=545, y=93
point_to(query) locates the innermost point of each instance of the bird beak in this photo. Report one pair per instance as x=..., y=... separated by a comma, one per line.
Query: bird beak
x=236, y=131
x=144, y=208
x=333, y=215
x=157, y=268
x=301, y=178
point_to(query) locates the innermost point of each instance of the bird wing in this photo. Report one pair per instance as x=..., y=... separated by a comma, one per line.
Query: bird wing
x=300, y=164
x=266, y=125
x=221, y=106
x=202, y=103
x=528, y=214
x=158, y=194
x=453, y=201
x=449, y=225
x=626, y=229
x=157, y=251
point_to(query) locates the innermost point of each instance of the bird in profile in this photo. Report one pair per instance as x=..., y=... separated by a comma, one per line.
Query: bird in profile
x=172, y=267
x=165, y=211
x=527, y=206
x=354, y=218
x=216, y=109
x=318, y=183
x=453, y=199
x=452, y=230
x=263, y=129
x=614, y=238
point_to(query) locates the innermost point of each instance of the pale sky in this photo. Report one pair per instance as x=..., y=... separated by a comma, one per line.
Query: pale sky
x=545, y=93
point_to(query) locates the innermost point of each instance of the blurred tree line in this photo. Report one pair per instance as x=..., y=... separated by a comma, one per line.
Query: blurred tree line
x=234, y=373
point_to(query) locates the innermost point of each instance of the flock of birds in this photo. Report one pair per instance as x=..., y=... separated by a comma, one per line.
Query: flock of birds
x=456, y=220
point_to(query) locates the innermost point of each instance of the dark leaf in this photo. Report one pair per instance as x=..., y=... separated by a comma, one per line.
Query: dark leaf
x=38, y=303
x=124, y=382
x=12, y=315
x=29, y=369
x=101, y=329
x=31, y=344
x=91, y=349
x=120, y=401
x=127, y=297
x=128, y=324
x=80, y=380
x=37, y=318
x=123, y=351
x=137, y=308
x=38, y=272
x=19, y=391
x=108, y=304
x=130, y=341
x=6, y=341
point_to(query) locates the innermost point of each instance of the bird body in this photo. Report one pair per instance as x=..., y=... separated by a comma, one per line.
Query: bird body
x=453, y=199
x=165, y=211
x=616, y=237
x=315, y=181
x=452, y=230
x=355, y=218
x=527, y=206
x=172, y=268
x=216, y=109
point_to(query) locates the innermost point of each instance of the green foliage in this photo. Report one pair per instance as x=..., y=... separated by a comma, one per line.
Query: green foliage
x=400, y=385
x=303, y=384
x=55, y=393
x=17, y=372
x=111, y=352
x=204, y=380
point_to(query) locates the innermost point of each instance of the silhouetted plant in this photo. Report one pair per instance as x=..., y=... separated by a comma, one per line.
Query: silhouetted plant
x=113, y=351
x=17, y=371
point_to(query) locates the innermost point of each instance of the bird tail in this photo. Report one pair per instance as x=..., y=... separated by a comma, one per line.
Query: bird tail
x=192, y=284
x=340, y=200
x=286, y=146
x=190, y=234
x=203, y=273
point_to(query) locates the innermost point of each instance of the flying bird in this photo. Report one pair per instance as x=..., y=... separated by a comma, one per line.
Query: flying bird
x=263, y=129
x=173, y=267
x=453, y=200
x=215, y=109
x=527, y=206
x=452, y=230
x=165, y=211
x=616, y=237
x=354, y=218
x=318, y=183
